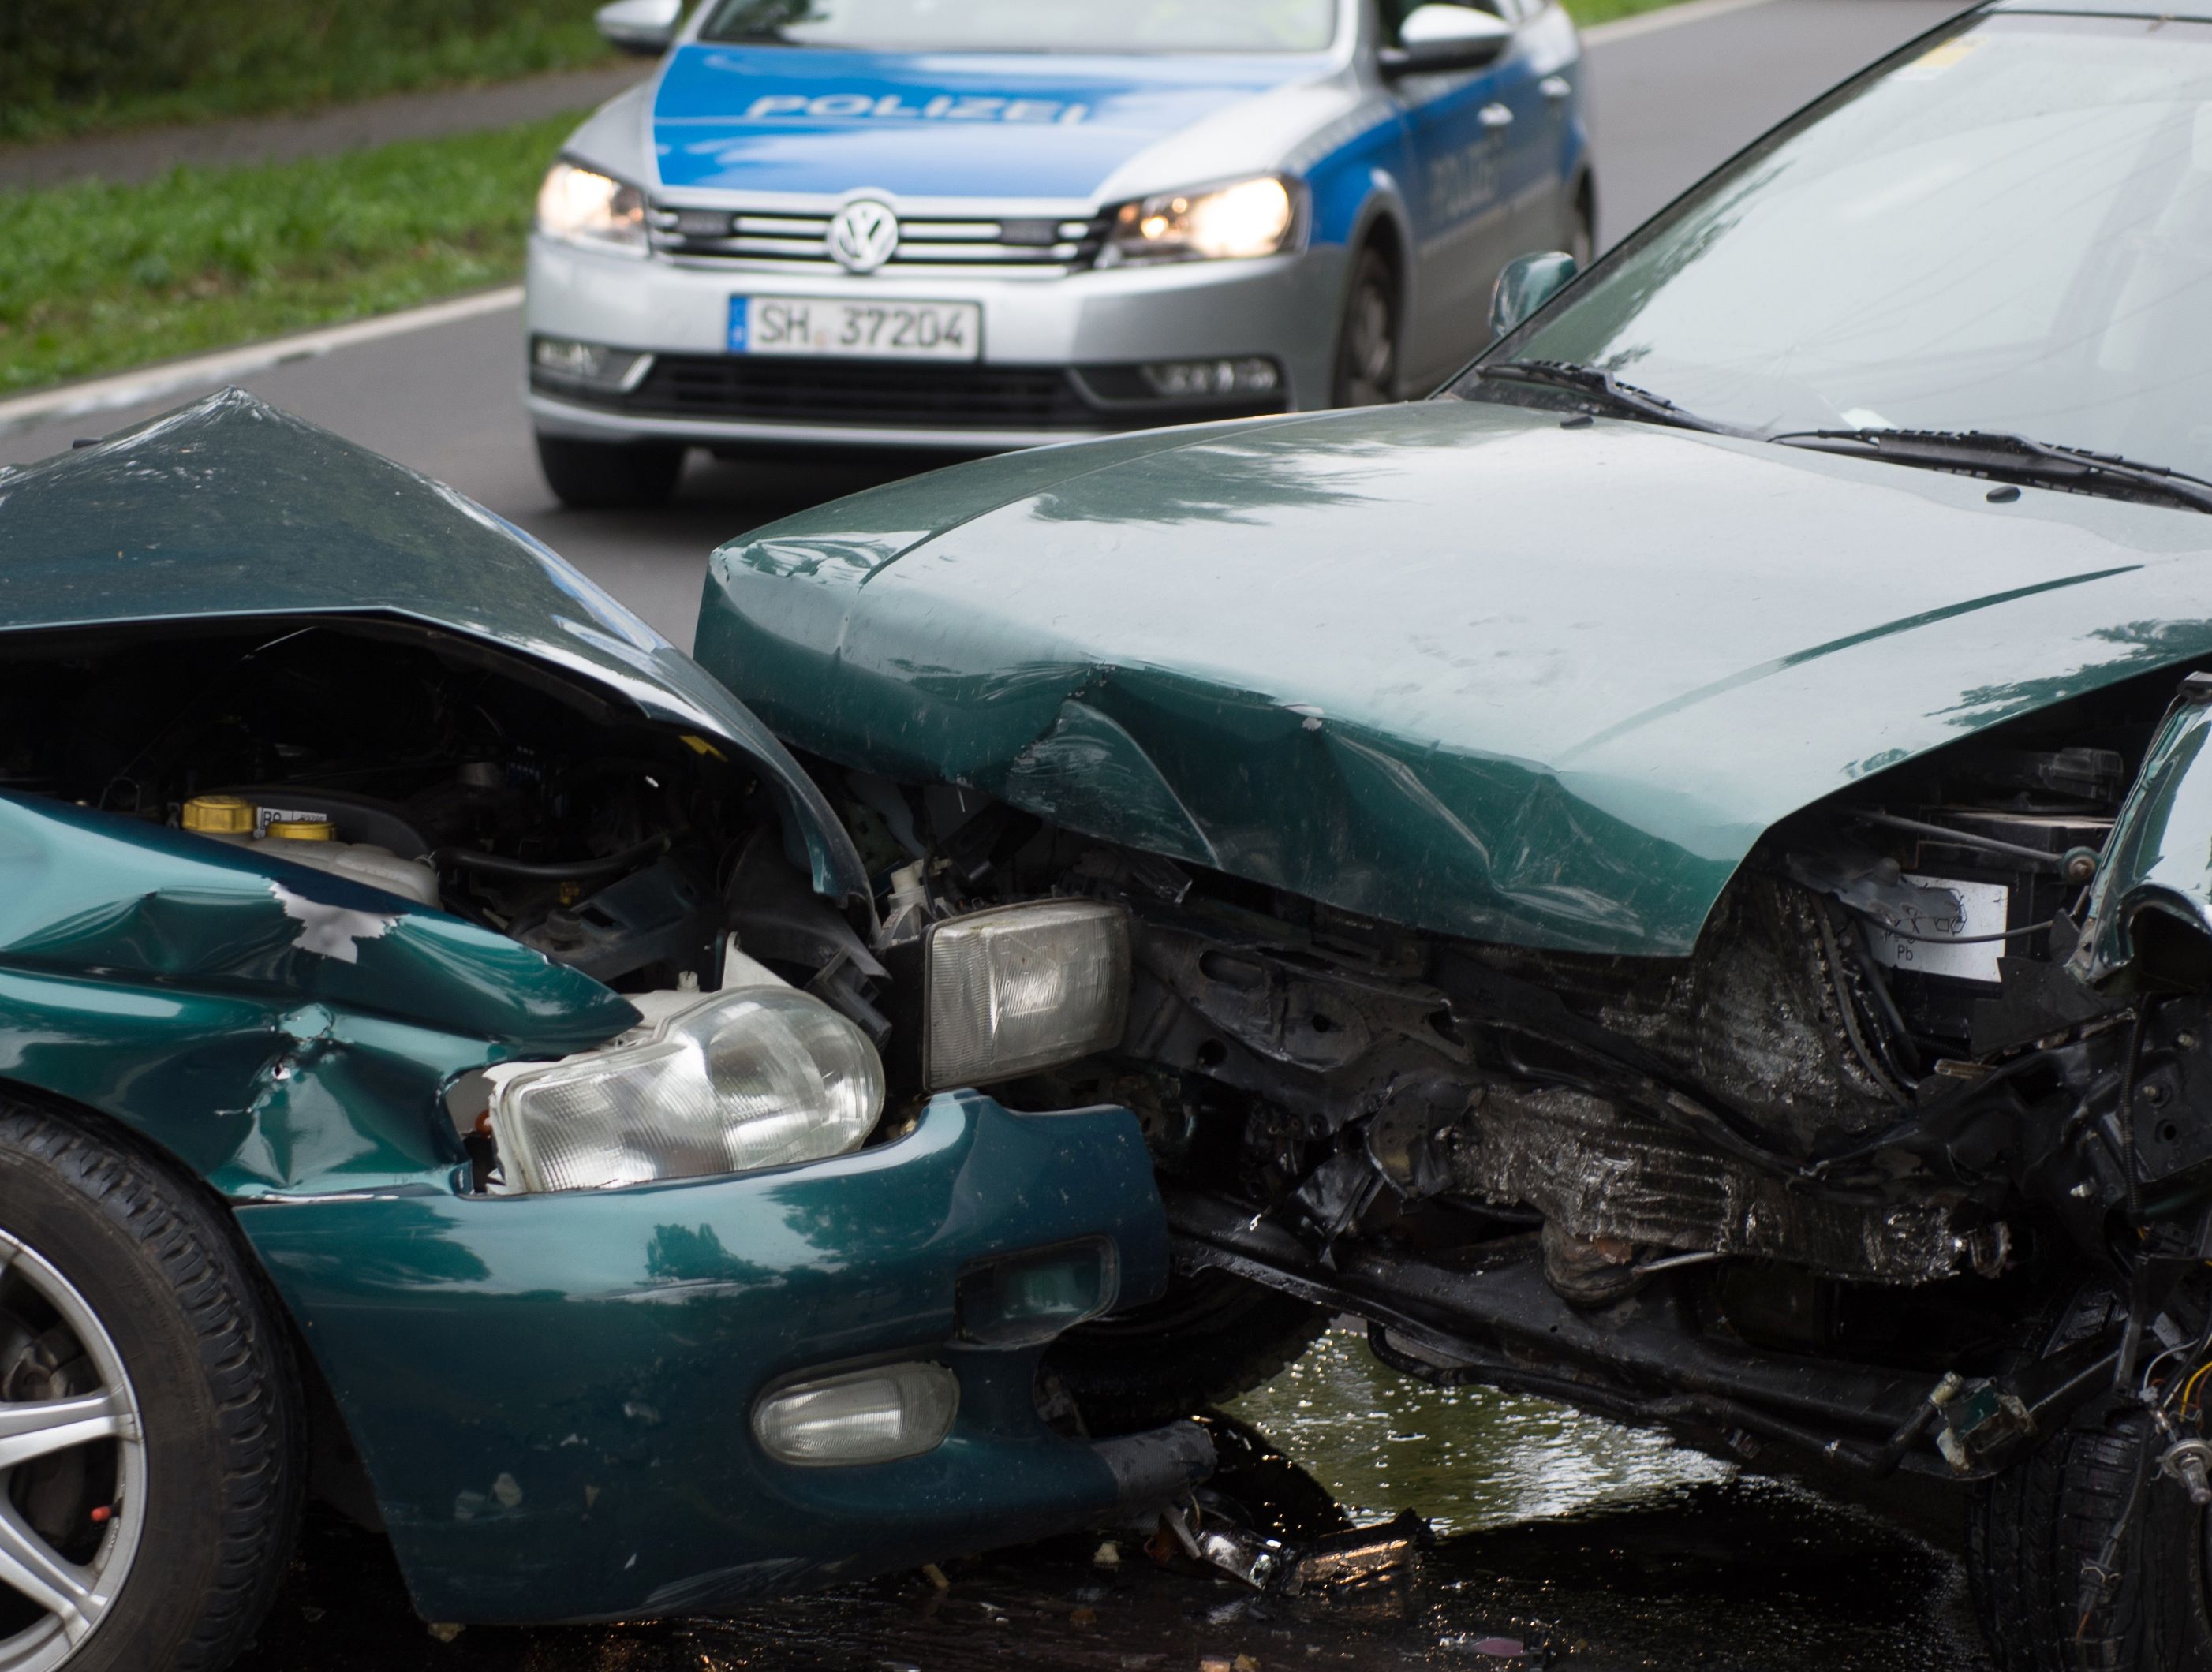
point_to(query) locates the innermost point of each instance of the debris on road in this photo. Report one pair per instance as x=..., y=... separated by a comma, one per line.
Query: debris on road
x=1202, y=1537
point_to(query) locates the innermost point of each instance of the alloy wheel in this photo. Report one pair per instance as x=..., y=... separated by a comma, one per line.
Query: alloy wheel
x=72, y=1466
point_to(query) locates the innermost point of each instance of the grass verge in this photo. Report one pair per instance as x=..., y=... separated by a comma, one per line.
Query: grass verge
x=95, y=278
x=1587, y=12
x=284, y=55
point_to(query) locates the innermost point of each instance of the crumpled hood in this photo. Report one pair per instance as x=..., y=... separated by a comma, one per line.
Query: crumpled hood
x=229, y=508
x=1446, y=664
x=1010, y=127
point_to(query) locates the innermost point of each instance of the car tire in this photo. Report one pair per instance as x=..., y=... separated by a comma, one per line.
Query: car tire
x=1209, y=1338
x=2032, y=1531
x=1367, y=336
x=609, y=476
x=123, y=1286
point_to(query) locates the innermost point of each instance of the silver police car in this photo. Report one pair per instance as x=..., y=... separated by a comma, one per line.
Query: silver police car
x=973, y=224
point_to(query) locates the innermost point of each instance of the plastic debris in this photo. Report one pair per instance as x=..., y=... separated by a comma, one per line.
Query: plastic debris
x=1192, y=1536
x=1108, y=1554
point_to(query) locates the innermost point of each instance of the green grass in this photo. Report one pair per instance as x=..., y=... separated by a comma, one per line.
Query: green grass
x=278, y=56
x=1587, y=12
x=95, y=278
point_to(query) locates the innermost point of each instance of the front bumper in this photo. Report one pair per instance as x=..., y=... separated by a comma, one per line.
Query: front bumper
x=551, y=1393
x=1059, y=354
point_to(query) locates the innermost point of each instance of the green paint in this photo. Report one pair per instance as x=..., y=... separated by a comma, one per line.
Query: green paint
x=1445, y=664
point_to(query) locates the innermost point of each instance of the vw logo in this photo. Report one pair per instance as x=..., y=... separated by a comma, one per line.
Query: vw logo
x=862, y=236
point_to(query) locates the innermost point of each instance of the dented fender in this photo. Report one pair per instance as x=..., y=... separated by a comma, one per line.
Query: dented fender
x=277, y=1029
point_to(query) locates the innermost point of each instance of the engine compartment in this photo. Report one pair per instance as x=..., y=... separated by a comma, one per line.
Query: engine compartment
x=520, y=800
x=1874, y=1121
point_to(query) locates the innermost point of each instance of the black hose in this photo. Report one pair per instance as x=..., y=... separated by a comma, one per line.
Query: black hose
x=563, y=871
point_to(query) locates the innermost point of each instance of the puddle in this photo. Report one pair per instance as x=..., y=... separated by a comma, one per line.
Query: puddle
x=1467, y=1458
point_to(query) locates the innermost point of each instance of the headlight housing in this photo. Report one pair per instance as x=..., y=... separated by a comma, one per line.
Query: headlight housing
x=1238, y=222
x=580, y=206
x=756, y=1078
x=1020, y=988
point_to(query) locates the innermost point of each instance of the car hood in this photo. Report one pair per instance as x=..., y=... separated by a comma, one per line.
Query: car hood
x=229, y=509
x=1447, y=664
x=1007, y=126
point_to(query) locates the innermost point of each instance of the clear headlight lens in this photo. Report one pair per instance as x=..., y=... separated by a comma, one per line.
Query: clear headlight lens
x=587, y=208
x=1021, y=988
x=760, y=1077
x=1228, y=223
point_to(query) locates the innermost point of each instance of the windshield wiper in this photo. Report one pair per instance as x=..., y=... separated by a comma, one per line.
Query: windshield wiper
x=2014, y=458
x=1600, y=389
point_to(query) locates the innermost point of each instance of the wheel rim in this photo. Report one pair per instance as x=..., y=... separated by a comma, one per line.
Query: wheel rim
x=1371, y=346
x=60, y=1454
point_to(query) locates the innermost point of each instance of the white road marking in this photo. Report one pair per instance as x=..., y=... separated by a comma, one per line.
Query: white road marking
x=150, y=383
x=1667, y=17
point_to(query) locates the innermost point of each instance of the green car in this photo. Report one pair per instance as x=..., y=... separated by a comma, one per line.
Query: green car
x=1676, y=875
x=450, y=1063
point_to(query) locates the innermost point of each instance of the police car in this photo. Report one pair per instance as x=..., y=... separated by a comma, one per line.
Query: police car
x=976, y=225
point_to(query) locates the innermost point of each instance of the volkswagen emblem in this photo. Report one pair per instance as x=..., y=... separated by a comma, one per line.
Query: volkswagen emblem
x=862, y=236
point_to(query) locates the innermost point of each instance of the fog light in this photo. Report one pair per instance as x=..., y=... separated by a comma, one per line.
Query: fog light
x=861, y=1416
x=588, y=365
x=1025, y=1298
x=1021, y=988
x=1204, y=379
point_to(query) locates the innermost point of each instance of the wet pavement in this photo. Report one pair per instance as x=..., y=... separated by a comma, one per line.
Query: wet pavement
x=1590, y=1547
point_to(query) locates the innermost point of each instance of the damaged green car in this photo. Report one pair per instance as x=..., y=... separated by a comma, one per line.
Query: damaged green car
x=445, y=1066
x=1672, y=876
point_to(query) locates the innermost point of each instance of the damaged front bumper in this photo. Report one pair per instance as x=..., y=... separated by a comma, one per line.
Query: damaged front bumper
x=552, y=1394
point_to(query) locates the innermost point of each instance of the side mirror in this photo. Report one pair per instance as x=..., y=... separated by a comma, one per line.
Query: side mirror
x=643, y=27
x=1527, y=284
x=1434, y=39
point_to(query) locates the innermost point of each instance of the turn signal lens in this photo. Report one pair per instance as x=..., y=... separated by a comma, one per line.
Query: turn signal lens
x=861, y=1416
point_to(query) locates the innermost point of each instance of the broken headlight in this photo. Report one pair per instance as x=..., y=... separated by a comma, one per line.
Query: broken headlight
x=1021, y=988
x=756, y=1078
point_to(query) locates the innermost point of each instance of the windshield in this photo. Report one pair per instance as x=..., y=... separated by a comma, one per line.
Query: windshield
x=2012, y=232
x=1031, y=25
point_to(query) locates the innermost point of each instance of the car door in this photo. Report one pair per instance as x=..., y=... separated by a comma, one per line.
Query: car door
x=1473, y=134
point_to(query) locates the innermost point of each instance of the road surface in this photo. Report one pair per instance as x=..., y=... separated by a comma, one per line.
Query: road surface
x=1668, y=103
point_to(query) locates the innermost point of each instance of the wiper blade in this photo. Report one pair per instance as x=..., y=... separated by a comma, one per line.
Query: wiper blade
x=2014, y=459
x=1601, y=390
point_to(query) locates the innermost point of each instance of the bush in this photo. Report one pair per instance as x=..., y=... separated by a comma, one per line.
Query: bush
x=69, y=65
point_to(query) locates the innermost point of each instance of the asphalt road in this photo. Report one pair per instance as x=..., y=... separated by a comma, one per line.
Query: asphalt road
x=1668, y=104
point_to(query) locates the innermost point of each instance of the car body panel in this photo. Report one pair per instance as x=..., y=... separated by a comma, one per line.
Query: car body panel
x=2160, y=857
x=551, y=1393
x=1522, y=727
x=1007, y=125
x=198, y=515
x=279, y=1030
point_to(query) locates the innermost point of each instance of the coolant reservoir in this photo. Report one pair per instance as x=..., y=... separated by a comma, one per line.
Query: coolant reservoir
x=311, y=842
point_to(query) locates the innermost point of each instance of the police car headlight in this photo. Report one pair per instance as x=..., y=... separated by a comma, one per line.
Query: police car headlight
x=755, y=1077
x=586, y=208
x=1224, y=223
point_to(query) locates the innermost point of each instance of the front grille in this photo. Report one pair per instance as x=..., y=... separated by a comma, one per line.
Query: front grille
x=1038, y=247
x=873, y=393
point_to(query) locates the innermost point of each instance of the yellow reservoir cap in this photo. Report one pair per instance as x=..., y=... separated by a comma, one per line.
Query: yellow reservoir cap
x=217, y=815
x=303, y=830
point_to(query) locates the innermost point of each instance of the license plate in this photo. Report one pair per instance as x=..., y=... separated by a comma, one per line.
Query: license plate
x=855, y=330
